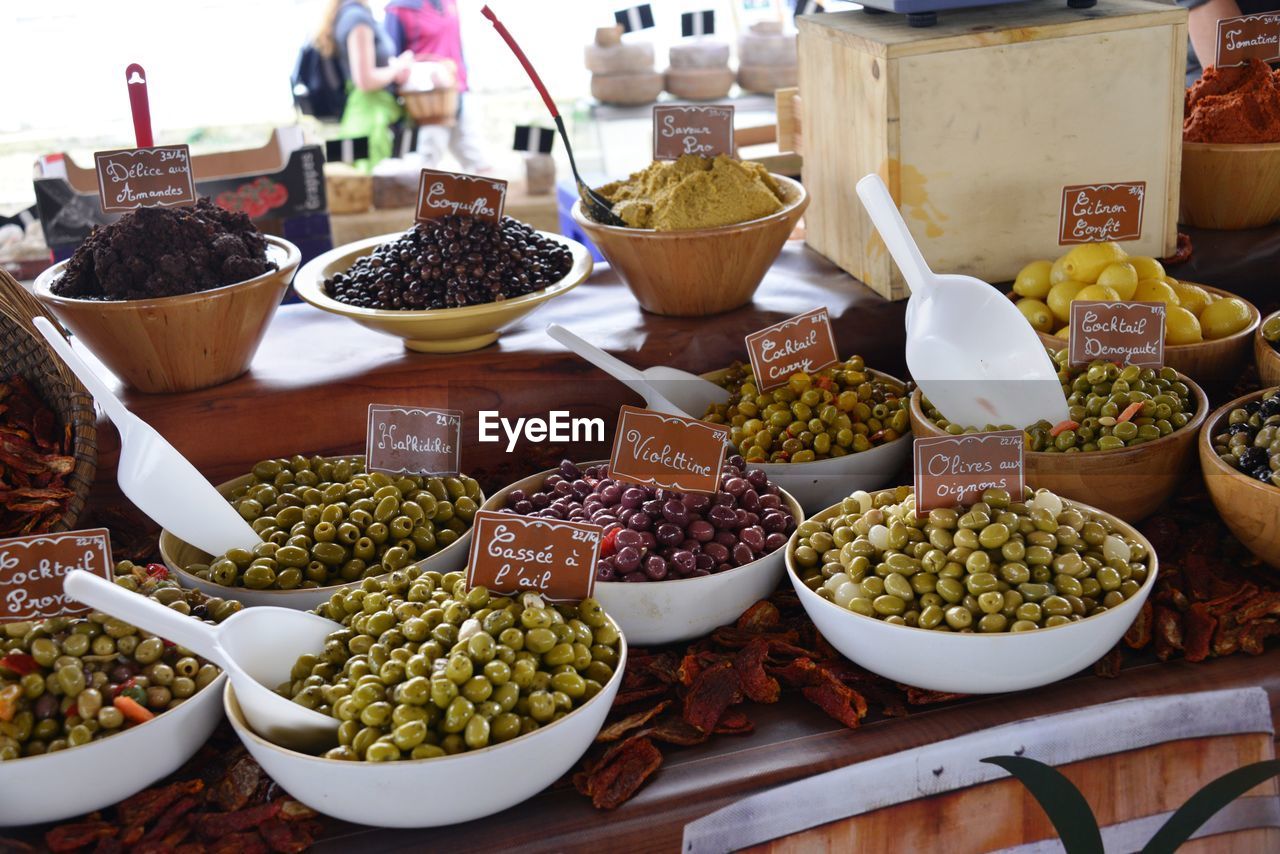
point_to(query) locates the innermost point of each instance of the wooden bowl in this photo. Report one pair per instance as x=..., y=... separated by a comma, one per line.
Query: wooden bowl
x=436, y=330
x=699, y=272
x=1127, y=482
x=1230, y=186
x=1266, y=357
x=1214, y=361
x=1250, y=508
x=181, y=343
x=432, y=107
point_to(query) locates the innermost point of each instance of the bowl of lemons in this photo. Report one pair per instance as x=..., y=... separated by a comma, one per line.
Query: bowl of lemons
x=1208, y=332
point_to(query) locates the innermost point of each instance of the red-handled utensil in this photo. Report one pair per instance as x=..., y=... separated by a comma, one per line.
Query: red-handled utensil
x=136, y=78
x=598, y=206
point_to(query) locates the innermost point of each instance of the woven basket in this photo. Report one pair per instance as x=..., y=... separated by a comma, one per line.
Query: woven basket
x=432, y=107
x=24, y=353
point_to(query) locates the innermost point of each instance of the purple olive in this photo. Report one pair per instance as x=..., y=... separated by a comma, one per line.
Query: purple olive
x=655, y=567
x=702, y=560
x=735, y=486
x=627, y=559
x=635, y=576
x=682, y=561
x=523, y=507
x=757, y=478
x=728, y=539
x=742, y=554
x=753, y=536
x=633, y=497
x=669, y=534
x=640, y=521
x=701, y=531
x=717, y=552
x=569, y=471
x=773, y=542
x=627, y=537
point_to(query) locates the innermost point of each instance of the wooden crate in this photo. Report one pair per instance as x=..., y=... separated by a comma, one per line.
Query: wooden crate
x=978, y=123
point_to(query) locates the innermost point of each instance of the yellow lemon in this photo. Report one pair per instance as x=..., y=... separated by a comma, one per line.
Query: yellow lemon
x=1148, y=268
x=1102, y=293
x=1121, y=276
x=1037, y=314
x=1064, y=333
x=1033, y=280
x=1191, y=297
x=1181, y=326
x=1224, y=317
x=1154, y=290
x=1057, y=271
x=1085, y=262
x=1060, y=297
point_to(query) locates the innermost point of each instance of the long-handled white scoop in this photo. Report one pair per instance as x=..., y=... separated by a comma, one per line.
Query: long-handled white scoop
x=257, y=647
x=971, y=351
x=667, y=390
x=154, y=476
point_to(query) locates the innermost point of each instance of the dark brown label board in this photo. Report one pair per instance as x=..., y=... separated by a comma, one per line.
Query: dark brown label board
x=32, y=569
x=1095, y=213
x=667, y=451
x=1127, y=333
x=414, y=440
x=702, y=130
x=522, y=554
x=803, y=343
x=131, y=178
x=951, y=470
x=442, y=194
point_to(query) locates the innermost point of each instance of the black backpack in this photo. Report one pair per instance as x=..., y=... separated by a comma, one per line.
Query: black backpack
x=319, y=86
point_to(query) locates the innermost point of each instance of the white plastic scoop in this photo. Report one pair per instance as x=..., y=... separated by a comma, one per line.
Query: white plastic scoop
x=154, y=476
x=257, y=647
x=971, y=351
x=667, y=390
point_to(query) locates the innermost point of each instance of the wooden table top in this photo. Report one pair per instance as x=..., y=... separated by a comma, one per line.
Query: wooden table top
x=308, y=391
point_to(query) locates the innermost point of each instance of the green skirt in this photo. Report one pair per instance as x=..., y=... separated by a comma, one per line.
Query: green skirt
x=370, y=114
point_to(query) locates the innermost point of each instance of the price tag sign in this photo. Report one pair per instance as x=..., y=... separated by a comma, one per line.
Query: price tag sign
x=667, y=451
x=951, y=470
x=414, y=440
x=1248, y=37
x=805, y=343
x=442, y=194
x=523, y=554
x=702, y=130
x=1128, y=333
x=1096, y=213
x=32, y=569
x=145, y=177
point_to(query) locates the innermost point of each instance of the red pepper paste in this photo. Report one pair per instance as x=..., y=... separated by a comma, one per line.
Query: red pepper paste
x=1236, y=105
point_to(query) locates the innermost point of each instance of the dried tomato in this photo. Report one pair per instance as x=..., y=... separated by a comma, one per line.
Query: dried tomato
x=713, y=691
x=620, y=774
x=69, y=837
x=1199, y=626
x=756, y=683
x=623, y=726
x=19, y=663
x=760, y=617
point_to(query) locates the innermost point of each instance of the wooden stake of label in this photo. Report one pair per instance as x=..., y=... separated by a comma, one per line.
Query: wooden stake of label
x=414, y=440
x=523, y=554
x=1127, y=333
x=32, y=569
x=442, y=194
x=951, y=470
x=703, y=130
x=667, y=451
x=803, y=344
x=1096, y=213
x=131, y=178
x=1248, y=37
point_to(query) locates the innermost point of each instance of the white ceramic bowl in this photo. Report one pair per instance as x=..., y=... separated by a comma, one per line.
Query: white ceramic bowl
x=71, y=782
x=178, y=554
x=822, y=483
x=973, y=663
x=658, y=612
x=433, y=792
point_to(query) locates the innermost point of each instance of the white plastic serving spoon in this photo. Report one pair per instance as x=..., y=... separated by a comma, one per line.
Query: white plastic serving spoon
x=968, y=347
x=154, y=476
x=257, y=647
x=667, y=390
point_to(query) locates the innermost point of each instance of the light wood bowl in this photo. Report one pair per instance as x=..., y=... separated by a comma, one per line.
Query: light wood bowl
x=1214, y=361
x=432, y=107
x=1250, y=508
x=699, y=272
x=1127, y=482
x=1230, y=186
x=181, y=343
x=434, y=330
x=1266, y=357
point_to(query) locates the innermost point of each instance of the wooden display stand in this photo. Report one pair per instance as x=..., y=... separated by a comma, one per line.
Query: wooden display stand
x=977, y=125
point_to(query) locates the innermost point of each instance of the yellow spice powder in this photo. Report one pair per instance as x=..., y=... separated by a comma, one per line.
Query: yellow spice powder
x=695, y=192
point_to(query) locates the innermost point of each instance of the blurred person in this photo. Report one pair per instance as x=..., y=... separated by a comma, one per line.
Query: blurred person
x=371, y=65
x=430, y=31
x=1202, y=27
